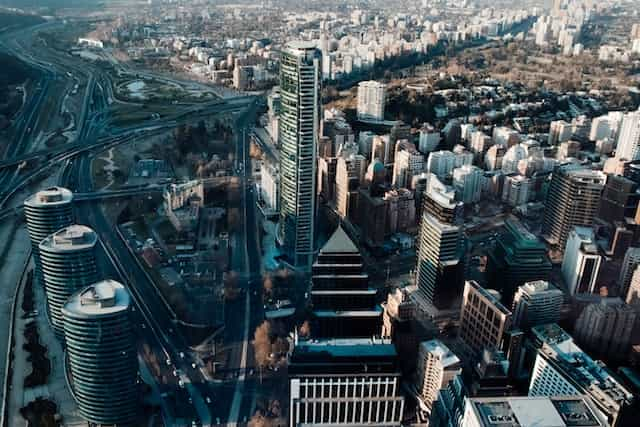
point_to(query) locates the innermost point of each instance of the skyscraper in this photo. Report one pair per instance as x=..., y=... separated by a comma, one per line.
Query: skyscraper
x=440, y=250
x=299, y=132
x=629, y=264
x=371, y=100
x=573, y=199
x=629, y=137
x=536, y=303
x=581, y=262
x=343, y=303
x=102, y=354
x=46, y=212
x=68, y=265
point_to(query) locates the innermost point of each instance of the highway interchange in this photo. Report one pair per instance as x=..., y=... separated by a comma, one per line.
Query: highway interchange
x=24, y=165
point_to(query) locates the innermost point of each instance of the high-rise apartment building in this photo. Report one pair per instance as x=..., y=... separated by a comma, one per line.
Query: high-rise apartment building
x=345, y=382
x=581, y=262
x=349, y=172
x=468, y=180
x=68, y=265
x=102, y=356
x=437, y=366
x=629, y=137
x=408, y=162
x=536, y=303
x=299, y=130
x=619, y=199
x=573, y=199
x=371, y=100
x=559, y=131
x=561, y=368
x=560, y=411
x=343, y=303
x=46, y=212
x=605, y=329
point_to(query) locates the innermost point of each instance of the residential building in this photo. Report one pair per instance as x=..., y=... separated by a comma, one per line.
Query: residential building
x=343, y=303
x=299, y=131
x=561, y=368
x=68, y=264
x=371, y=100
x=437, y=366
x=573, y=199
x=516, y=190
x=429, y=139
x=581, y=262
x=468, y=182
x=559, y=131
x=536, y=303
x=102, y=355
x=493, y=157
x=483, y=318
x=345, y=382
x=408, y=162
x=46, y=212
x=441, y=163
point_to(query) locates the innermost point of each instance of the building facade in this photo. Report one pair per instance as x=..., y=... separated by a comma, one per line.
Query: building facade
x=371, y=100
x=581, y=262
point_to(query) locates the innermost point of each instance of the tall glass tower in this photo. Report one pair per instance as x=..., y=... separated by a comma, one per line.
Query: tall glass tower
x=299, y=131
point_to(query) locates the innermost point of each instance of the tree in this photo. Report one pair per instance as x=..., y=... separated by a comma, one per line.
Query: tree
x=262, y=346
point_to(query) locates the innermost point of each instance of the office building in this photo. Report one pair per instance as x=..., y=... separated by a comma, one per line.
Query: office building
x=536, y=303
x=561, y=368
x=437, y=366
x=102, y=355
x=401, y=211
x=483, y=318
x=581, y=262
x=573, y=199
x=348, y=173
x=440, y=263
x=448, y=409
x=554, y=411
x=493, y=157
x=490, y=376
x=343, y=303
x=619, y=200
x=299, y=131
x=505, y=136
x=345, y=382
x=371, y=100
x=518, y=257
x=441, y=163
x=468, y=182
x=629, y=264
x=372, y=218
x=605, y=329
x=46, y=212
x=517, y=190
x=629, y=137
x=439, y=200
x=68, y=264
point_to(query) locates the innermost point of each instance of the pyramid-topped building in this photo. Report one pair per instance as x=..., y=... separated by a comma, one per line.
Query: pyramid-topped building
x=343, y=303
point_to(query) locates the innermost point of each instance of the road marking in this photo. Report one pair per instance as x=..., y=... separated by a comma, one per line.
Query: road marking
x=237, y=396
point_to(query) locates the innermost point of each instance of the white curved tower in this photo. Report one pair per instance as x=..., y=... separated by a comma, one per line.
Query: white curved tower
x=102, y=353
x=68, y=264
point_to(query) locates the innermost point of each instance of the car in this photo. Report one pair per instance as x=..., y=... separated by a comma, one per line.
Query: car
x=181, y=383
x=168, y=362
x=181, y=354
x=207, y=399
x=193, y=365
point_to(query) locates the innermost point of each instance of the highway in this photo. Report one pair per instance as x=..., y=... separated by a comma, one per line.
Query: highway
x=232, y=399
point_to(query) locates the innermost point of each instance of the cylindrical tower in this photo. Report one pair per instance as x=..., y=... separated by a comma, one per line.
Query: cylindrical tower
x=46, y=212
x=102, y=353
x=68, y=264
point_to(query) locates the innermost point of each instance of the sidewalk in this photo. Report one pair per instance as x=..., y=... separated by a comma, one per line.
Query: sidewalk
x=56, y=387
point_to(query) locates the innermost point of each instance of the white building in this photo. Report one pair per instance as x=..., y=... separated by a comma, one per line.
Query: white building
x=559, y=131
x=629, y=264
x=514, y=154
x=505, y=136
x=408, y=162
x=581, y=262
x=516, y=190
x=371, y=100
x=269, y=185
x=437, y=366
x=468, y=182
x=429, y=139
x=629, y=138
x=441, y=163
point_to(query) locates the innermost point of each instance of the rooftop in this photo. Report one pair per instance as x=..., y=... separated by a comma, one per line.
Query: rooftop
x=340, y=242
x=72, y=238
x=441, y=351
x=556, y=411
x=50, y=196
x=102, y=298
